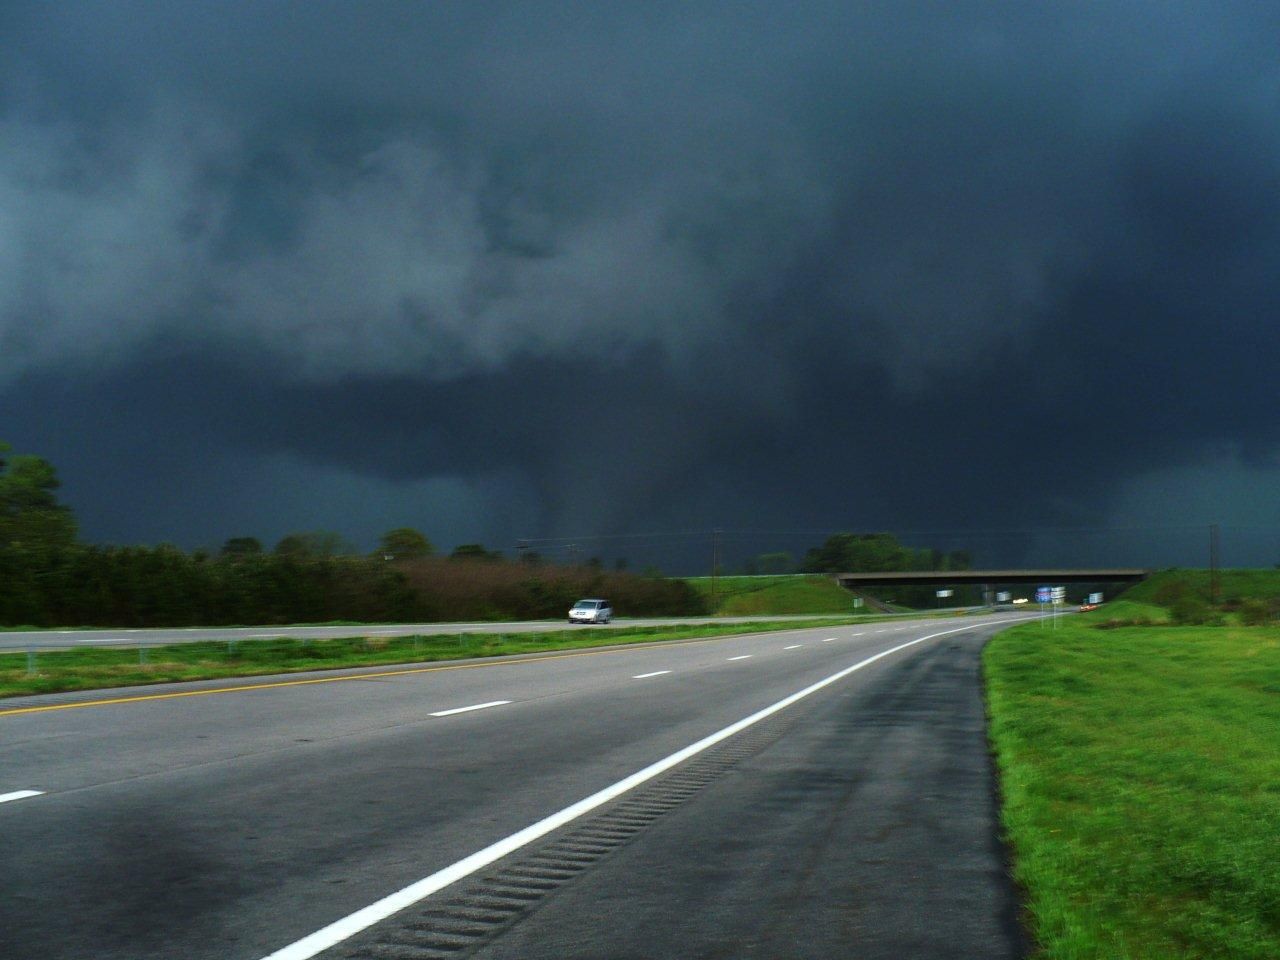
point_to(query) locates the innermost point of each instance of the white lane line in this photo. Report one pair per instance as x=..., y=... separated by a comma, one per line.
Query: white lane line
x=366, y=917
x=828, y=640
x=858, y=634
x=111, y=640
x=794, y=646
x=477, y=706
x=646, y=676
x=745, y=656
x=20, y=795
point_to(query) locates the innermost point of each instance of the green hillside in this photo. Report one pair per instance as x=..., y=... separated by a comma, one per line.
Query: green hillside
x=781, y=594
x=1233, y=585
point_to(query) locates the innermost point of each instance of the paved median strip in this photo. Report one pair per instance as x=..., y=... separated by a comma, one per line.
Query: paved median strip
x=476, y=706
x=646, y=676
x=20, y=795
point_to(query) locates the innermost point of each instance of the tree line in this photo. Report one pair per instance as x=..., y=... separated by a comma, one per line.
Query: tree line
x=878, y=553
x=859, y=553
x=48, y=577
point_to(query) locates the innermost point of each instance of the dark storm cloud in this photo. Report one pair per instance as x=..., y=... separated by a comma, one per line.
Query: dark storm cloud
x=788, y=267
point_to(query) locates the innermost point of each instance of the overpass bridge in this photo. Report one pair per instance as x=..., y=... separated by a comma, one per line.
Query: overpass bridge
x=989, y=578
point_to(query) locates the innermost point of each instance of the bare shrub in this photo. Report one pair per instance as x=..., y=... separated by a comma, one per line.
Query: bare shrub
x=1255, y=613
x=500, y=590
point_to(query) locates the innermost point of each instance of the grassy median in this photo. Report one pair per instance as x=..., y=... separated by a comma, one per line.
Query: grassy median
x=780, y=594
x=1140, y=769
x=52, y=671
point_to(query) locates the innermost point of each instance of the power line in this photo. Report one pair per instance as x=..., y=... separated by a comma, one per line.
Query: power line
x=740, y=535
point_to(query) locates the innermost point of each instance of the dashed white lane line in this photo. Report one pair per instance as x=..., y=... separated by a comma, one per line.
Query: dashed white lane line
x=366, y=917
x=858, y=634
x=110, y=640
x=646, y=676
x=476, y=706
x=20, y=795
x=745, y=656
x=794, y=646
x=828, y=640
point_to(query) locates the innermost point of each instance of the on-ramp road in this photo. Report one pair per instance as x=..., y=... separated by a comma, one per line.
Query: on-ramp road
x=810, y=794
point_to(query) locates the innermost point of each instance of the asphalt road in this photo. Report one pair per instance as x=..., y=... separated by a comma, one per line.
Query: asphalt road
x=19, y=640
x=235, y=822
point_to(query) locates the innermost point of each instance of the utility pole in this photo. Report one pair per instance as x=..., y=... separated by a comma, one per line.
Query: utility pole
x=1213, y=564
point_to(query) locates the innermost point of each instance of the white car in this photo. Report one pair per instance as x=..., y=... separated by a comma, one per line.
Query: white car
x=591, y=611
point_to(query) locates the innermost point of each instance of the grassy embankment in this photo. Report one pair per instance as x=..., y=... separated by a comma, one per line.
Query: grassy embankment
x=1140, y=767
x=100, y=667
x=1233, y=585
x=781, y=595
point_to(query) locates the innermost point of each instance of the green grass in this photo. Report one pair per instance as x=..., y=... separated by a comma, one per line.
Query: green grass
x=781, y=595
x=1140, y=768
x=100, y=667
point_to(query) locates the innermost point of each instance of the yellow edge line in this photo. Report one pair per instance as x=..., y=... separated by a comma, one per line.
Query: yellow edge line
x=498, y=662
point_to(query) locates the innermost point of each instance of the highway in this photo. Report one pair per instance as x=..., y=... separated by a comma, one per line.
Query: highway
x=20, y=640
x=812, y=793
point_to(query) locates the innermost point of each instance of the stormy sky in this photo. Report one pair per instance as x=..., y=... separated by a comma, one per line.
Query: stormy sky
x=1002, y=276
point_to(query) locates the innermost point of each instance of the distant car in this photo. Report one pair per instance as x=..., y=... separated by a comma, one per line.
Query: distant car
x=1086, y=607
x=591, y=611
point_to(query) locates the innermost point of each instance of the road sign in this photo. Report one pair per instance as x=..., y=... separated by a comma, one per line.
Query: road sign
x=1044, y=594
